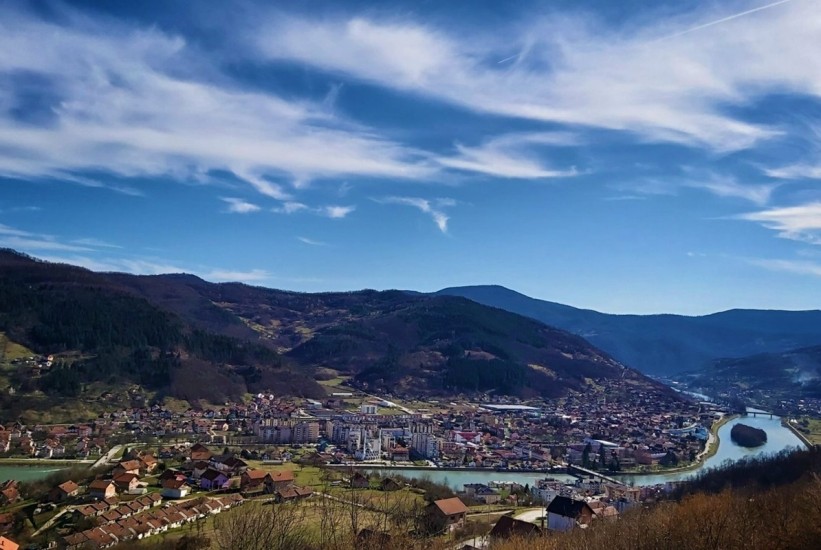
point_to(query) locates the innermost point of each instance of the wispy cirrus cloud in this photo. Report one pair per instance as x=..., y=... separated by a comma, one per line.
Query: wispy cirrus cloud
x=117, y=104
x=720, y=185
x=511, y=156
x=240, y=206
x=723, y=186
x=433, y=208
x=311, y=242
x=799, y=267
x=801, y=222
x=154, y=266
x=19, y=239
x=94, y=243
x=222, y=275
x=795, y=171
x=663, y=80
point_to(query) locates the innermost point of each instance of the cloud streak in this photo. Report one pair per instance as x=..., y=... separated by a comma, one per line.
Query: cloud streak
x=800, y=223
x=580, y=70
x=240, y=206
x=510, y=156
x=311, y=242
x=431, y=208
x=116, y=104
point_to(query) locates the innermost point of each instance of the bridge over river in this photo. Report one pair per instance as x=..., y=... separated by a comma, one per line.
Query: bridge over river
x=572, y=469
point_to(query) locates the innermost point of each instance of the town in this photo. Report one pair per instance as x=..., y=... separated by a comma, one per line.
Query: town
x=152, y=469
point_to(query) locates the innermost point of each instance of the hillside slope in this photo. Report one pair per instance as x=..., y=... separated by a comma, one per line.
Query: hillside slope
x=664, y=344
x=447, y=345
x=182, y=336
x=763, y=378
x=101, y=333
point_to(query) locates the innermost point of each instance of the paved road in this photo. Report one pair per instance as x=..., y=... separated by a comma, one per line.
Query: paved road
x=106, y=458
x=531, y=516
x=49, y=523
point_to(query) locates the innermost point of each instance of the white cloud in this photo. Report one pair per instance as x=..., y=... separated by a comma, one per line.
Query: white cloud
x=96, y=243
x=801, y=222
x=119, y=265
x=19, y=239
x=139, y=102
x=240, y=206
x=510, y=156
x=335, y=212
x=432, y=208
x=667, y=80
x=150, y=266
x=311, y=242
x=728, y=187
x=289, y=207
x=221, y=275
x=795, y=171
x=328, y=211
x=799, y=267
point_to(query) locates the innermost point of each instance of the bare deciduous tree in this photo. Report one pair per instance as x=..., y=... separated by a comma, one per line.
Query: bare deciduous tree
x=263, y=527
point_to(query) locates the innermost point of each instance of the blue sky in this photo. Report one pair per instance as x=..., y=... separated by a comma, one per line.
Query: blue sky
x=621, y=156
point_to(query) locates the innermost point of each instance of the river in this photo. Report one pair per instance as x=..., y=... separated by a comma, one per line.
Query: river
x=778, y=439
x=26, y=473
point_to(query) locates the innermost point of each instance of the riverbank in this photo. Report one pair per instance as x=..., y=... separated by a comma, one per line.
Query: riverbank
x=710, y=450
x=37, y=462
x=800, y=435
x=399, y=468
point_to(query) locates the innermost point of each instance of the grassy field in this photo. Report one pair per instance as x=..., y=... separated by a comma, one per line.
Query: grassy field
x=9, y=351
x=812, y=430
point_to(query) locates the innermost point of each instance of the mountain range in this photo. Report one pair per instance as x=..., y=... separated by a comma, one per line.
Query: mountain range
x=180, y=336
x=664, y=345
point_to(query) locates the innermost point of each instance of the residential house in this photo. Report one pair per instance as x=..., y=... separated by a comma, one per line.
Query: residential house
x=9, y=492
x=253, y=481
x=232, y=465
x=508, y=527
x=389, y=484
x=127, y=467
x=170, y=473
x=564, y=513
x=126, y=482
x=64, y=491
x=214, y=480
x=200, y=467
x=360, y=481
x=488, y=495
x=102, y=489
x=8, y=544
x=148, y=463
x=175, y=488
x=293, y=493
x=200, y=452
x=448, y=512
x=276, y=481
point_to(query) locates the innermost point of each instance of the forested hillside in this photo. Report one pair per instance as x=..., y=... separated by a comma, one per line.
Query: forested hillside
x=181, y=336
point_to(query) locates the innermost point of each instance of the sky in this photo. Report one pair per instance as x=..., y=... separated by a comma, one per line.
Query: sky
x=628, y=157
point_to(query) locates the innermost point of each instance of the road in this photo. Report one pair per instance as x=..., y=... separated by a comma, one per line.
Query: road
x=106, y=458
x=49, y=523
x=531, y=516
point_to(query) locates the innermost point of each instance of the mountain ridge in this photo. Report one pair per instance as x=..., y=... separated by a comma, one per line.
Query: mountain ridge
x=664, y=344
x=177, y=332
